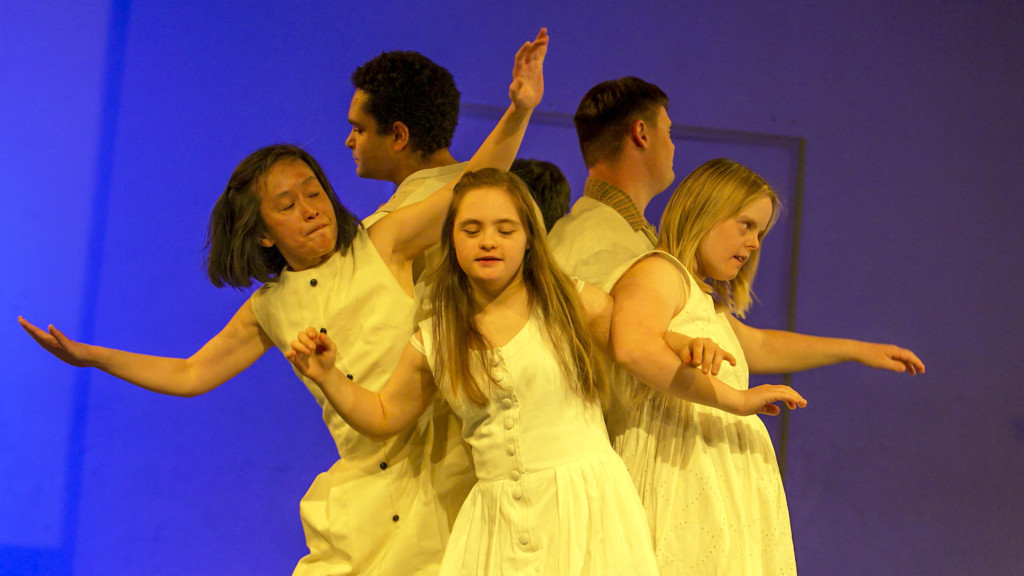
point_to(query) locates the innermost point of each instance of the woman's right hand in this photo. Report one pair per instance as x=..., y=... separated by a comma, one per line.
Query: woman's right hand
x=761, y=400
x=56, y=343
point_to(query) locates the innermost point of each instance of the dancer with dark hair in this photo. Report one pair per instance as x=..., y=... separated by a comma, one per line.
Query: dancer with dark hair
x=403, y=115
x=279, y=222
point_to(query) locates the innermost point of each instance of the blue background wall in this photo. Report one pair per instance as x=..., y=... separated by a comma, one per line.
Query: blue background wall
x=120, y=123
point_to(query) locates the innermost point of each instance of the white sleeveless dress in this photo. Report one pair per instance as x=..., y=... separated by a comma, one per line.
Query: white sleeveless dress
x=709, y=480
x=383, y=507
x=552, y=497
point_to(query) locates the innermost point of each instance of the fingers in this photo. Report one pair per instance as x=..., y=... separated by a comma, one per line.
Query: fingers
x=792, y=398
x=909, y=361
x=311, y=341
x=781, y=393
x=325, y=342
x=34, y=331
x=305, y=342
x=59, y=336
x=770, y=410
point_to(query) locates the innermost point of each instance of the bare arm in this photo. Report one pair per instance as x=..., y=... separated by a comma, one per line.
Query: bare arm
x=778, y=351
x=646, y=299
x=702, y=352
x=598, y=306
x=408, y=394
x=227, y=354
x=403, y=235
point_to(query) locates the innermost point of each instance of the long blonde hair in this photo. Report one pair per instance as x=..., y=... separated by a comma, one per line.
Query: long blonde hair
x=715, y=191
x=551, y=293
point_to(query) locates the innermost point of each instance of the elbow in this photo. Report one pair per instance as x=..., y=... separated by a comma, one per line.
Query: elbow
x=189, y=392
x=628, y=353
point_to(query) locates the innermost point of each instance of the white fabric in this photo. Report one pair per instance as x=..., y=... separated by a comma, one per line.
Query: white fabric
x=348, y=513
x=708, y=479
x=415, y=188
x=594, y=240
x=552, y=496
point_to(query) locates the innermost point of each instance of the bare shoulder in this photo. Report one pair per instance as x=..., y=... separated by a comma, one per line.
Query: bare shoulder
x=655, y=274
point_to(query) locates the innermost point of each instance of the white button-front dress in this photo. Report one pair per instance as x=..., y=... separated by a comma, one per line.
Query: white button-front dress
x=552, y=496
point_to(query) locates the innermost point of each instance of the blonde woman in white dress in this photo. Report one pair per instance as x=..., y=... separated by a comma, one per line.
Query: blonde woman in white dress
x=702, y=462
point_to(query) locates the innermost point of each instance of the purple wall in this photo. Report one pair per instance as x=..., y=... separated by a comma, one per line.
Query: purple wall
x=120, y=124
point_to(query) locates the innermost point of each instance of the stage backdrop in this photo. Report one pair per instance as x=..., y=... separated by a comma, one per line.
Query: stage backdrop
x=121, y=121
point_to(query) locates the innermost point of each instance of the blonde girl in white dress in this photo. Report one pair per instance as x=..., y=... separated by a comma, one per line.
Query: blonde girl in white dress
x=511, y=348
x=704, y=466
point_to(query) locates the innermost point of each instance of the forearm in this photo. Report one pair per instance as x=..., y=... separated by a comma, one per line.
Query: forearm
x=171, y=376
x=655, y=364
x=362, y=409
x=781, y=352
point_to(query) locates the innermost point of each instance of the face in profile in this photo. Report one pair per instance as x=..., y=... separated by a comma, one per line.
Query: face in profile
x=489, y=238
x=729, y=244
x=371, y=151
x=662, y=148
x=297, y=214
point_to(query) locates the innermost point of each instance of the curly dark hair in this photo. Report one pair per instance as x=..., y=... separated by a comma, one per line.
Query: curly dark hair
x=607, y=113
x=408, y=87
x=234, y=255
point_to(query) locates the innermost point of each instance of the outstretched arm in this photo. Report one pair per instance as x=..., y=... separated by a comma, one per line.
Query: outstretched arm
x=778, y=351
x=646, y=299
x=407, y=395
x=403, y=235
x=227, y=354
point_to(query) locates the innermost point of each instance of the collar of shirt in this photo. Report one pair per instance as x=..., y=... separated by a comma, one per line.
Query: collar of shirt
x=617, y=199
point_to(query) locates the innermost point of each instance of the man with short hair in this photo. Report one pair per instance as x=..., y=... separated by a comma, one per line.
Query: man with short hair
x=403, y=116
x=624, y=133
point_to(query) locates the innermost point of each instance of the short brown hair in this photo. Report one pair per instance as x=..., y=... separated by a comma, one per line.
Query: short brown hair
x=607, y=113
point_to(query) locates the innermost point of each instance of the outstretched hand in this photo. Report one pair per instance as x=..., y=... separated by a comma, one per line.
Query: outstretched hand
x=527, y=86
x=762, y=399
x=890, y=357
x=56, y=343
x=313, y=354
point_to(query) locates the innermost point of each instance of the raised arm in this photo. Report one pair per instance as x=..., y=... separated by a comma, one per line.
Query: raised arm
x=778, y=351
x=646, y=298
x=406, y=233
x=227, y=354
x=407, y=395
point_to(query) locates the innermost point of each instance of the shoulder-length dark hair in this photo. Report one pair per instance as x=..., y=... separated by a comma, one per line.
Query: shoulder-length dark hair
x=234, y=255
